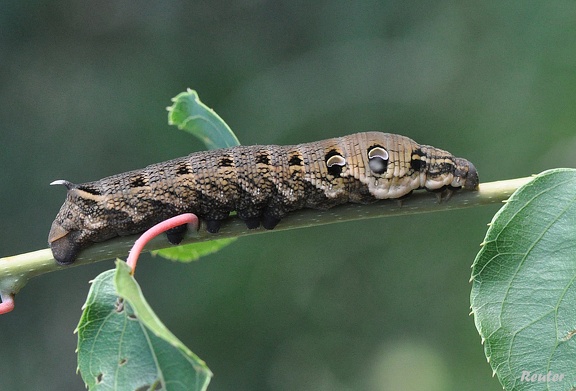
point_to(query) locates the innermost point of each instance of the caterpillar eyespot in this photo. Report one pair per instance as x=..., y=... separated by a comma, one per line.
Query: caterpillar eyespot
x=335, y=163
x=261, y=183
x=335, y=160
x=378, y=160
x=378, y=152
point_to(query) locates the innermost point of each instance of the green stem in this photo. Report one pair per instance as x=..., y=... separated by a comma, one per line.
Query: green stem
x=15, y=271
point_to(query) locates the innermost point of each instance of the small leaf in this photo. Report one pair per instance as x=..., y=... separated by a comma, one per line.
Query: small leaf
x=193, y=116
x=524, y=292
x=190, y=114
x=122, y=345
x=193, y=251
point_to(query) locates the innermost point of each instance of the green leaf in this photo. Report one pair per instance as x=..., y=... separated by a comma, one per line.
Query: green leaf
x=193, y=116
x=122, y=345
x=190, y=114
x=193, y=251
x=524, y=293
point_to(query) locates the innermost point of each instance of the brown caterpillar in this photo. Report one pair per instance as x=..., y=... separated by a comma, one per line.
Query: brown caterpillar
x=260, y=183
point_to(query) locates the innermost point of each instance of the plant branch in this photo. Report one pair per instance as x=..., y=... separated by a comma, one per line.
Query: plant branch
x=15, y=271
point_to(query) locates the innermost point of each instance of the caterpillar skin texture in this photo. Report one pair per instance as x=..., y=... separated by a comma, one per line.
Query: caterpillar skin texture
x=260, y=183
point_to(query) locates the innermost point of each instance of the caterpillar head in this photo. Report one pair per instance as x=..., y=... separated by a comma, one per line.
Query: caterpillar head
x=396, y=165
x=465, y=174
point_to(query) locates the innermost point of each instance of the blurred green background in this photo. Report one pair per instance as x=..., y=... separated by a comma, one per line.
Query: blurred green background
x=371, y=305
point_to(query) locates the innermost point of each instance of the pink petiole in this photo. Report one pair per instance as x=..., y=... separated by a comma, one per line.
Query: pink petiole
x=7, y=304
x=186, y=218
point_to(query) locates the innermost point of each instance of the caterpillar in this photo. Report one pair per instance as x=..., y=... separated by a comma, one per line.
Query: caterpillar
x=261, y=183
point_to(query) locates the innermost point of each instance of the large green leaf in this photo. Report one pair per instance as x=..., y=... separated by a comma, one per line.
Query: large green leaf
x=122, y=345
x=190, y=114
x=524, y=292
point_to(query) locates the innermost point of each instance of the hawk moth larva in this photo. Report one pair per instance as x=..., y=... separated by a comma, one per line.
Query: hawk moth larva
x=260, y=183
